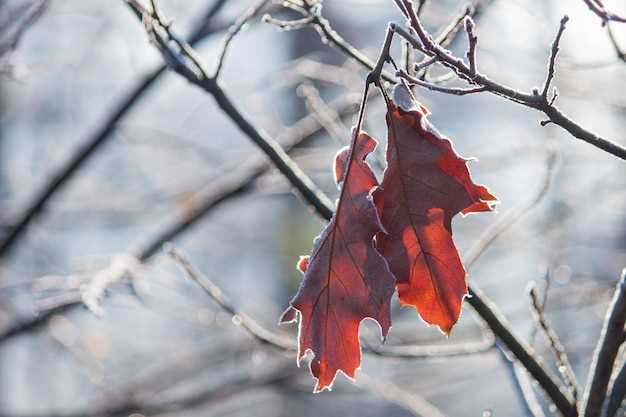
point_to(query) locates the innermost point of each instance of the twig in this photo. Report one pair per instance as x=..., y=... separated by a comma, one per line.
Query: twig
x=472, y=41
x=621, y=53
x=407, y=58
x=257, y=331
x=448, y=90
x=611, y=338
x=427, y=62
x=447, y=35
x=543, y=305
x=522, y=352
x=597, y=6
x=94, y=143
x=617, y=393
x=562, y=361
x=312, y=15
x=234, y=30
x=523, y=384
x=326, y=116
x=553, y=53
x=30, y=16
x=420, y=6
x=434, y=351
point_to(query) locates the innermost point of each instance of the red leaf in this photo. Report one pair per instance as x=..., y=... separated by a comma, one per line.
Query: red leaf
x=345, y=279
x=426, y=183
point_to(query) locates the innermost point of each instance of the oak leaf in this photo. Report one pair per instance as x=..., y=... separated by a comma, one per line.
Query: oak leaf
x=426, y=183
x=345, y=279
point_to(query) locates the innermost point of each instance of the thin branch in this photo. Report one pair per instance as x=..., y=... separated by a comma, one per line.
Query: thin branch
x=523, y=384
x=260, y=333
x=420, y=6
x=407, y=58
x=435, y=351
x=425, y=63
x=597, y=6
x=611, y=339
x=448, y=90
x=562, y=361
x=95, y=142
x=621, y=53
x=325, y=115
x=312, y=13
x=24, y=22
x=617, y=393
x=522, y=352
x=553, y=53
x=448, y=33
x=472, y=42
x=234, y=30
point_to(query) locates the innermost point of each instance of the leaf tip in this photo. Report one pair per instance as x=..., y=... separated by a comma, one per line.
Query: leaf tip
x=341, y=163
x=303, y=263
x=289, y=316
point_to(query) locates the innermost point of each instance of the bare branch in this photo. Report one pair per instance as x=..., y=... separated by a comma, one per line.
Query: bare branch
x=257, y=331
x=621, y=53
x=617, y=393
x=523, y=384
x=553, y=53
x=472, y=42
x=448, y=90
x=17, y=29
x=326, y=116
x=522, y=352
x=597, y=6
x=611, y=339
x=234, y=30
x=562, y=361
